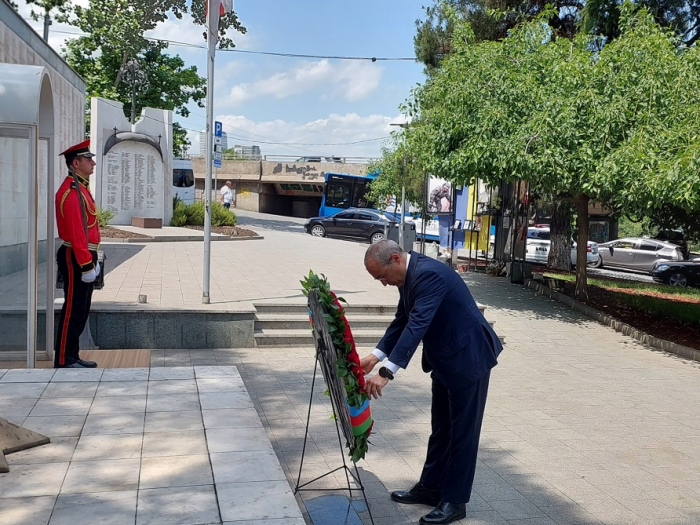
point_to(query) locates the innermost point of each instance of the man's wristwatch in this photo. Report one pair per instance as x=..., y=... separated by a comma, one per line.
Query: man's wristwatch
x=386, y=373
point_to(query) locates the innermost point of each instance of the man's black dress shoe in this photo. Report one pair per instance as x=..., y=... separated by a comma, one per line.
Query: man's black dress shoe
x=418, y=495
x=72, y=365
x=445, y=513
x=87, y=364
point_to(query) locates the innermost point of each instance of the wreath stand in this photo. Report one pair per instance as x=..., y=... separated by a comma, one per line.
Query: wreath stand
x=326, y=356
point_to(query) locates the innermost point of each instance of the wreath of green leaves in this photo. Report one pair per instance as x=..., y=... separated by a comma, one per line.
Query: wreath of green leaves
x=337, y=325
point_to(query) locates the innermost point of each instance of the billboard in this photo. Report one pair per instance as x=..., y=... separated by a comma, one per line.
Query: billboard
x=439, y=196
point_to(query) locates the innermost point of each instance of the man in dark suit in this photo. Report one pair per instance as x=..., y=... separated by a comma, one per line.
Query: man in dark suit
x=459, y=351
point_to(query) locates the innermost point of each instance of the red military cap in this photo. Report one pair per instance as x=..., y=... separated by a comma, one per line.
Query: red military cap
x=78, y=150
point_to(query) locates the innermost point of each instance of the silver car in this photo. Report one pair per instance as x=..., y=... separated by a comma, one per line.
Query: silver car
x=637, y=254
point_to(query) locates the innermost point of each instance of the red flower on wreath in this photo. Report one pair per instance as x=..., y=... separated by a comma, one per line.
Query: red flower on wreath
x=352, y=355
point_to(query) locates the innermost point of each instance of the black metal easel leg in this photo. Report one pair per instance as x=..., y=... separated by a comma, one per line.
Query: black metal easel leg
x=308, y=418
x=342, y=451
x=348, y=473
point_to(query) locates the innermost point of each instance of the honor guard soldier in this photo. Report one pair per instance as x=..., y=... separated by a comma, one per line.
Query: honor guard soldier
x=77, y=256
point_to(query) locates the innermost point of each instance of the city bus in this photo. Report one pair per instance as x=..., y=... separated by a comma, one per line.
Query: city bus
x=183, y=180
x=343, y=191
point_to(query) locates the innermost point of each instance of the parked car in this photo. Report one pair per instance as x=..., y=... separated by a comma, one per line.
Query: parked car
x=677, y=273
x=674, y=237
x=633, y=253
x=538, y=243
x=358, y=223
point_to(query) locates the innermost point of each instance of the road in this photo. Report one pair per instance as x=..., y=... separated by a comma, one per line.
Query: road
x=618, y=274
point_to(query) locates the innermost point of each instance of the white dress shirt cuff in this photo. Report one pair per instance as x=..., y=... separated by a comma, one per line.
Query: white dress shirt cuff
x=393, y=367
x=379, y=354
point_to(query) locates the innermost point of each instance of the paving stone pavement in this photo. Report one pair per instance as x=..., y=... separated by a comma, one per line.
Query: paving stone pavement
x=140, y=446
x=583, y=425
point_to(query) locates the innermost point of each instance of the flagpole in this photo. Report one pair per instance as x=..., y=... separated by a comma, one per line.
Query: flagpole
x=212, y=35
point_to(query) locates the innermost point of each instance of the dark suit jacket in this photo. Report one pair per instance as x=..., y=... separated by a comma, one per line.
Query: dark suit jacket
x=435, y=306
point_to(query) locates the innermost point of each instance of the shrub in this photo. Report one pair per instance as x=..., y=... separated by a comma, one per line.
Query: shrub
x=193, y=215
x=220, y=216
x=104, y=216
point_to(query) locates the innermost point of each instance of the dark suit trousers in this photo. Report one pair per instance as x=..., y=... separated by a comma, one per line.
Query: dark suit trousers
x=456, y=424
x=76, y=308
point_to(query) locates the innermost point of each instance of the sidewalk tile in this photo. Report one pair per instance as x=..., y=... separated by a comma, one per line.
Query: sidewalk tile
x=177, y=506
x=102, y=476
x=103, y=508
x=261, y=500
x=26, y=511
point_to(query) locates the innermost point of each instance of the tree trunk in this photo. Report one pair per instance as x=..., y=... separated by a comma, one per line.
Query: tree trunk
x=117, y=80
x=581, y=292
x=560, y=237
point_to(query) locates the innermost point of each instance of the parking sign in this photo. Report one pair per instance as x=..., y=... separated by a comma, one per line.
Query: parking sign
x=218, y=129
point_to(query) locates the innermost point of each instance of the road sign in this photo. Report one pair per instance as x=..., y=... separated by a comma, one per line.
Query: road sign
x=217, y=163
x=218, y=129
x=217, y=155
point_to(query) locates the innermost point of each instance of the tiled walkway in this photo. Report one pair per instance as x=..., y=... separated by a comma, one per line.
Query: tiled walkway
x=583, y=425
x=165, y=446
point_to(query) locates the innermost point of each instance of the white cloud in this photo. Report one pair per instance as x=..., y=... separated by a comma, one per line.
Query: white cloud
x=333, y=129
x=350, y=80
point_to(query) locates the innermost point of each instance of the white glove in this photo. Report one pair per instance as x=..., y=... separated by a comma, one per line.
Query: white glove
x=97, y=270
x=89, y=277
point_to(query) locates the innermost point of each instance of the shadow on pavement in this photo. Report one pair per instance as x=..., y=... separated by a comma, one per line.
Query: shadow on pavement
x=270, y=222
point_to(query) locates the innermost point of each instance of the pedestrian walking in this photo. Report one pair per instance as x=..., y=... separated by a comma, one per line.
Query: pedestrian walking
x=459, y=351
x=227, y=195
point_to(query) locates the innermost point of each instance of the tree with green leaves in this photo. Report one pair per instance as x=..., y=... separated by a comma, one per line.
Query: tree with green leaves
x=45, y=8
x=569, y=119
x=397, y=170
x=602, y=17
x=489, y=20
x=115, y=34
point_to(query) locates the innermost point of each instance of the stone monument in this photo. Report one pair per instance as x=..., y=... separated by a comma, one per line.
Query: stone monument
x=133, y=177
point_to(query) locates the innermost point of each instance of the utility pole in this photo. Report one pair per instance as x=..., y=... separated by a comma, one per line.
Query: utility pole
x=402, y=224
x=47, y=23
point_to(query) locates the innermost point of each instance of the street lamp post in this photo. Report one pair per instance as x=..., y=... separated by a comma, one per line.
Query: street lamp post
x=402, y=224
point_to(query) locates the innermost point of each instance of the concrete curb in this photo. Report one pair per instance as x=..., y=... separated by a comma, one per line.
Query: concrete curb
x=607, y=320
x=180, y=239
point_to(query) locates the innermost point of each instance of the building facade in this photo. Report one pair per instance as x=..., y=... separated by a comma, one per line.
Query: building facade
x=203, y=141
x=247, y=152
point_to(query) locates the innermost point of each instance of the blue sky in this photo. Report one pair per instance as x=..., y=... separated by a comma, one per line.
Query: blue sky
x=307, y=100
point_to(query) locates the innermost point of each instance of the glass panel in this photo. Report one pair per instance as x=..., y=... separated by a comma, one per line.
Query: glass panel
x=43, y=256
x=649, y=246
x=338, y=195
x=361, y=189
x=183, y=178
x=14, y=237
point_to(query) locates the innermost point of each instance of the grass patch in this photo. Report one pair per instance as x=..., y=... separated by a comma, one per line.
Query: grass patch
x=647, y=288
x=678, y=304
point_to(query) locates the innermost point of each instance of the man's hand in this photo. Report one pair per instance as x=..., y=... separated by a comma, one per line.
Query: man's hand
x=368, y=363
x=89, y=277
x=374, y=385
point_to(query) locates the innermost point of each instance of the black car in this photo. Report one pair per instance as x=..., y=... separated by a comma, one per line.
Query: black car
x=677, y=273
x=675, y=237
x=358, y=223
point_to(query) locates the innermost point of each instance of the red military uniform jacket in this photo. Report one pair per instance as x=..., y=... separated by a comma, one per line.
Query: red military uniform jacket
x=70, y=222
